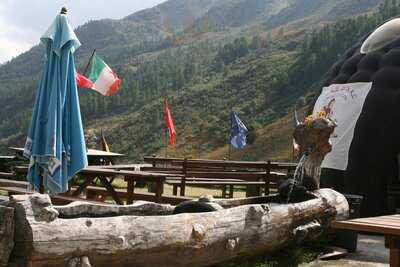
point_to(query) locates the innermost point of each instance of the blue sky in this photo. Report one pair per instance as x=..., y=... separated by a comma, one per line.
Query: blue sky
x=22, y=22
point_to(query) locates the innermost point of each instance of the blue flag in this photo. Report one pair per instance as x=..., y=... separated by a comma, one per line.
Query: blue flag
x=238, y=132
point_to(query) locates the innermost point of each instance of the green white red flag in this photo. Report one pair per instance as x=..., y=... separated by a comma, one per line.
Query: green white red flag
x=101, y=78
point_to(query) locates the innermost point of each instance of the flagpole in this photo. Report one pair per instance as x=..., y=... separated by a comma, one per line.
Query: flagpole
x=229, y=138
x=292, y=152
x=88, y=64
x=166, y=131
x=166, y=143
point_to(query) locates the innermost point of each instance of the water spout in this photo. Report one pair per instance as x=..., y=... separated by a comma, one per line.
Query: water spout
x=298, y=176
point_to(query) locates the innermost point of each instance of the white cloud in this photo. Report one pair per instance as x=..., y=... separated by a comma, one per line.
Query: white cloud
x=22, y=22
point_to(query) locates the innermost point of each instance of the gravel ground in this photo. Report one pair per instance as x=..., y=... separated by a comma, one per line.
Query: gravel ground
x=371, y=252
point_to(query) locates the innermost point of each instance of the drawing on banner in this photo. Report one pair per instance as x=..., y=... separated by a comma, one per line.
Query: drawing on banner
x=328, y=109
x=342, y=103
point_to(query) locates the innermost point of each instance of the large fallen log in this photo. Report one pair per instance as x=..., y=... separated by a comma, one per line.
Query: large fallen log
x=48, y=235
x=6, y=234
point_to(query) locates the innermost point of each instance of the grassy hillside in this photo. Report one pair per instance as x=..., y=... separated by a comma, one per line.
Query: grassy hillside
x=218, y=63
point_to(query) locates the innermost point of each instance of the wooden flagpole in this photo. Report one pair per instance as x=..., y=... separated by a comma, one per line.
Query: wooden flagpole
x=166, y=143
x=166, y=129
x=88, y=64
x=229, y=139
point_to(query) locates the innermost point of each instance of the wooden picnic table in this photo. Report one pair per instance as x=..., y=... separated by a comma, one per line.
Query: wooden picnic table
x=250, y=171
x=7, y=158
x=122, y=166
x=105, y=175
x=90, y=173
x=94, y=156
x=220, y=163
x=388, y=225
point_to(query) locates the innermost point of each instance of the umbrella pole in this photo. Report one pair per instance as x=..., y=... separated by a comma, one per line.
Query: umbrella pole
x=41, y=182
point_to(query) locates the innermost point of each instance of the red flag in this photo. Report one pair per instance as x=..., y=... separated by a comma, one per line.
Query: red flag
x=169, y=123
x=82, y=81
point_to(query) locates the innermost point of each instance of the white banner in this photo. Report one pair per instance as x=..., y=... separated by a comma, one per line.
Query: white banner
x=343, y=103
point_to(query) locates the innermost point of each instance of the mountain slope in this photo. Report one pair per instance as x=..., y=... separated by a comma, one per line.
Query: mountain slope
x=206, y=56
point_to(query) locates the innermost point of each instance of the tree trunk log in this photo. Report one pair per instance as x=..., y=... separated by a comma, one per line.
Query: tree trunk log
x=189, y=239
x=6, y=234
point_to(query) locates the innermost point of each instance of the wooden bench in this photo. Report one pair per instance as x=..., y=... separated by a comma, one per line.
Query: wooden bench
x=56, y=199
x=388, y=225
x=90, y=173
x=14, y=183
x=7, y=175
x=3, y=198
x=214, y=182
x=94, y=191
x=6, y=162
x=260, y=171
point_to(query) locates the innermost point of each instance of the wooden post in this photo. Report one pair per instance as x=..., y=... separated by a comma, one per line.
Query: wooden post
x=130, y=190
x=393, y=243
x=110, y=189
x=229, y=139
x=41, y=182
x=88, y=180
x=166, y=144
x=231, y=189
x=224, y=191
x=267, y=178
x=183, y=182
x=159, y=190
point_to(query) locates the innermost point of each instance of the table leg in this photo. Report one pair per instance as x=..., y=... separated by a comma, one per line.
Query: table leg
x=393, y=243
x=131, y=189
x=111, y=190
x=159, y=190
x=82, y=187
x=231, y=189
x=41, y=182
x=175, y=190
x=183, y=186
x=266, y=188
x=224, y=191
x=394, y=257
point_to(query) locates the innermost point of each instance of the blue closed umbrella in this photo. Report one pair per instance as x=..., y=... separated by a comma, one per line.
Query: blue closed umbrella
x=55, y=143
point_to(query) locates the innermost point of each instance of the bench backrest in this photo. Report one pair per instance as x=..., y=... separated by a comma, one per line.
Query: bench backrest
x=213, y=165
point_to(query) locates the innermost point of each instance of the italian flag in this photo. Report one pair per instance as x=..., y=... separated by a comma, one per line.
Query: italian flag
x=101, y=78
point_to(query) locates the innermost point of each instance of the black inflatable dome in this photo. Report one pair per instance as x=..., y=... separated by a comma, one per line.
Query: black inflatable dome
x=373, y=156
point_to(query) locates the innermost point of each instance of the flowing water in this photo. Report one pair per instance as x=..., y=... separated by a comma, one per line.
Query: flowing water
x=298, y=176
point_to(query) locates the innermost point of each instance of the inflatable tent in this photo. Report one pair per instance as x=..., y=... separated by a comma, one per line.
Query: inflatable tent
x=362, y=93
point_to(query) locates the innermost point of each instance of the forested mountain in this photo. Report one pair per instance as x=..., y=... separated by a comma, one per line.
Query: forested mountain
x=257, y=57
